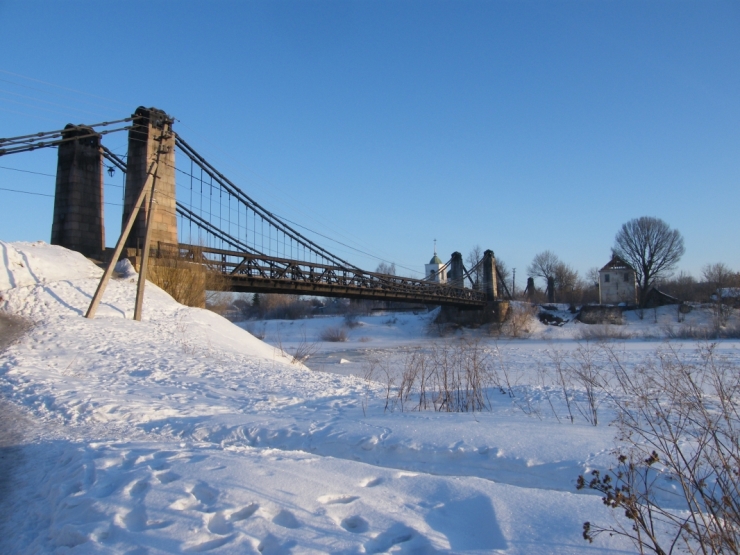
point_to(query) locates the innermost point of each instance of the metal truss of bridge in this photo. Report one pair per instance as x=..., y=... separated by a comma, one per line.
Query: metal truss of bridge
x=248, y=272
x=195, y=204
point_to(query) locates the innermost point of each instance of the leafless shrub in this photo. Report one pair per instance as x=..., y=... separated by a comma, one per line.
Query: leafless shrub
x=581, y=378
x=730, y=332
x=562, y=379
x=503, y=378
x=368, y=375
x=218, y=302
x=687, y=331
x=676, y=480
x=351, y=321
x=439, y=329
x=586, y=370
x=284, y=307
x=543, y=383
x=452, y=377
x=187, y=276
x=260, y=332
x=520, y=320
x=703, y=333
x=333, y=334
x=304, y=350
x=602, y=332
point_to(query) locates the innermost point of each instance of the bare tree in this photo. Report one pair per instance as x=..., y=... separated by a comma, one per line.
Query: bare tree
x=592, y=277
x=504, y=271
x=719, y=277
x=568, y=283
x=651, y=247
x=683, y=286
x=385, y=268
x=544, y=265
x=566, y=277
x=556, y=273
x=474, y=256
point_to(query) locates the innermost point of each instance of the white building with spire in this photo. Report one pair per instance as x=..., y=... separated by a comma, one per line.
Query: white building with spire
x=435, y=271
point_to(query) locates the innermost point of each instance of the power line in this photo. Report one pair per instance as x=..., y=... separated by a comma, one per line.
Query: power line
x=273, y=219
x=27, y=171
x=51, y=196
x=48, y=102
x=60, y=86
x=273, y=187
x=52, y=94
x=24, y=114
x=26, y=192
x=49, y=175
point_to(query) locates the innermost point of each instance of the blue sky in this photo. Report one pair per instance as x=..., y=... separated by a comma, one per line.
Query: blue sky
x=516, y=126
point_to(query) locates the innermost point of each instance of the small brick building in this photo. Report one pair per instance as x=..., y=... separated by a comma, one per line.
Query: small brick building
x=617, y=283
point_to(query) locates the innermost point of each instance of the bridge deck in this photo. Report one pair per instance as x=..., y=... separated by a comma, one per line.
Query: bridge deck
x=256, y=273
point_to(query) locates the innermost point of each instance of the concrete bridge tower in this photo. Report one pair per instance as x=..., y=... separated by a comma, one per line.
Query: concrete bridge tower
x=151, y=139
x=490, y=283
x=78, y=199
x=455, y=276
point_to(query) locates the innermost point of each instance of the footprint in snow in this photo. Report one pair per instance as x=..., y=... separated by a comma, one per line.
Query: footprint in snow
x=371, y=482
x=134, y=520
x=218, y=524
x=398, y=533
x=355, y=524
x=167, y=477
x=286, y=519
x=184, y=504
x=272, y=546
x=204, y=493
x=165, y=454
x=207, y=545
x=244, y=513
x=158, y=464
x=104, y=489
x=138, y=488
x=337, y=499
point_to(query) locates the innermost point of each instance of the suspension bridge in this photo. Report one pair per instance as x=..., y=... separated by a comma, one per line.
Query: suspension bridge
x=183, y=207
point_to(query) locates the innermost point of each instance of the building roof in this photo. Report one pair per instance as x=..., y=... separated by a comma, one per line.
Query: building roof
x=435, y=260
x=617, y=263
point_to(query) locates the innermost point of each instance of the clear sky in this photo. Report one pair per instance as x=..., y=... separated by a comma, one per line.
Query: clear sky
x=518, y=126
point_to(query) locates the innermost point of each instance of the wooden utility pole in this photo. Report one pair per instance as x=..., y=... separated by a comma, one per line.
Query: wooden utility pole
x=121, y=241
x=143, y=266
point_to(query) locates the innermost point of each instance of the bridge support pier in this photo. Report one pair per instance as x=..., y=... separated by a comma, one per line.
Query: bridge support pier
x=151, y=139
x=490, y=285
x=455, y=276
x=78, y=199
x=494, y=312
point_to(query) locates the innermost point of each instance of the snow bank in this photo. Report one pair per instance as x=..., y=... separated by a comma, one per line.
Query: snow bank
x=185, y=433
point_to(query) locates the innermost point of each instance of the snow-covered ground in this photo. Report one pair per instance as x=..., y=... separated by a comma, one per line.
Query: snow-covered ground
x=185, y=433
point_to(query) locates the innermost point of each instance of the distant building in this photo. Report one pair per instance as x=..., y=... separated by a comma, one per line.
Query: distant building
x=434, y=271
x=617, y=283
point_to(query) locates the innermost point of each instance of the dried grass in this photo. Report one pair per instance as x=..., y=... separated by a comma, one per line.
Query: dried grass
x=333, y=334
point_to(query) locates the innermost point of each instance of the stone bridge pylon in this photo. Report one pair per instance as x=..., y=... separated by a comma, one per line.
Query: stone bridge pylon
x=151, y=140
x=79, y=222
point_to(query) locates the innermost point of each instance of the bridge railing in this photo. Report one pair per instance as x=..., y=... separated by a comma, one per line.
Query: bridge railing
x=251, y=272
